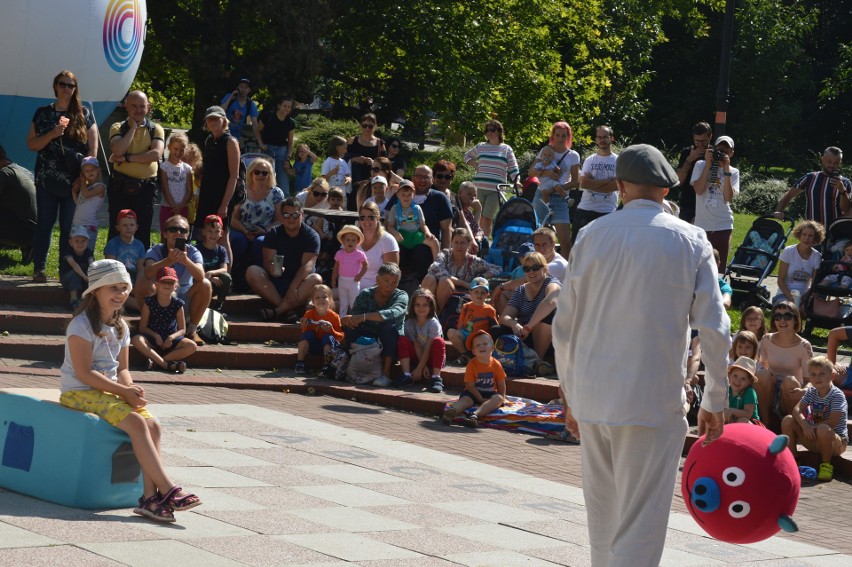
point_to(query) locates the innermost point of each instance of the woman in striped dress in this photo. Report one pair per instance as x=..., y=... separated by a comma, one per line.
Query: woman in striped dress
x=495, y=163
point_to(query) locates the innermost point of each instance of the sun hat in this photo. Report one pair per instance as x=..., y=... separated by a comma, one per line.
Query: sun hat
x=645, y=165
x=214, y=111
x=469, y=341
x=350, y=229
x=167, y=273
x=479, y=282
x=725, y=139
x=78, y=230
x=379, y=179
x=89, y=160
x=124, y=214
x=747, y=364
x=106, y=272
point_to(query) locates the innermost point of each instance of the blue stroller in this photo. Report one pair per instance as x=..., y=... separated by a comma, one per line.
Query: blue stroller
x=513, y=225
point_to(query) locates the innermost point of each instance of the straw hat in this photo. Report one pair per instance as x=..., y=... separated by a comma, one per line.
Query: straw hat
x=350, y=229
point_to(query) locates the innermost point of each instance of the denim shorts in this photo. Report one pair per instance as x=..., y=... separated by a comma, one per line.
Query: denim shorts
x=557, y=209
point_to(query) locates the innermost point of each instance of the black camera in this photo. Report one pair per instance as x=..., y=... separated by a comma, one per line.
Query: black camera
x=834, y=174
x=718, y=155
x=180, y=243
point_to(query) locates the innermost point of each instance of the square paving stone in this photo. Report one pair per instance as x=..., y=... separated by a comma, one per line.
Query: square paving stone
x=217, y=458
x=431, y=542
x=501, y=558
x=503, y=537
x=351, y=519
x=210, y=477
x=351, y=474
x=145, y=554
x=488, y=511
x=189, y=525
x=268, y=522
x=350, y=547
x=422, y=515
x=225, y=439
x=13, y=536
x=349, y=495
x=54, y=556
x=263, y=551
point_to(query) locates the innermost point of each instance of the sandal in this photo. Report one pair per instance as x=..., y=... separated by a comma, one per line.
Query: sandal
x=182, y=504
x=564, y=436
x=176, y=366
x=154, y=509
x=268, y=315
x=148, y=364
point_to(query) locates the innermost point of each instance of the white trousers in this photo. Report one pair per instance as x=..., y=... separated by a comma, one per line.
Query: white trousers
x=347, y=291
x=629, y=474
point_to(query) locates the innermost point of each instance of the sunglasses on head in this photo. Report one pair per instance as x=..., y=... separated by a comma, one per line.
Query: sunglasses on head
x=319, y=194
x=444, y=176
x=261, y=172
x=291, y=215
x=533, y=268
x=786, y=316
x=367, y=217
x=177, y=229
x=368, y=125
x=65, y=85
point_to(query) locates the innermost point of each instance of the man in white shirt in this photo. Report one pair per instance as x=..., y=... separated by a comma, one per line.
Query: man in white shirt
x=638, y=279
x=597, y=180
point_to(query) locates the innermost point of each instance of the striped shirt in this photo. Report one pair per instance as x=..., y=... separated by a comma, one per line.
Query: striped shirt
x=495, y=164
x=821, y=202
x=822, y=408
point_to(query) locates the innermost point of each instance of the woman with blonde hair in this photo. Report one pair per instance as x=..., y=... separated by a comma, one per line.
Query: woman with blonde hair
x=255, y=216
x=379, y=246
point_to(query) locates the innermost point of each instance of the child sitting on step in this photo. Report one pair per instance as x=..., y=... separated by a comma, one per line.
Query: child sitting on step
x=95, y=378
x=484, y=382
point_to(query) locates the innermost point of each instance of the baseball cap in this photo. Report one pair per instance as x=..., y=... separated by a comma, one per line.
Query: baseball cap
x=167, y=273
x=214, y=111
x=379, y=179
x=89, y=160
x=725, y=139
x=125, y=213
x=643, y=164
x=210, y=219
x=469, y=341
x=78, y=230
x=525, y=248
x=479, y=282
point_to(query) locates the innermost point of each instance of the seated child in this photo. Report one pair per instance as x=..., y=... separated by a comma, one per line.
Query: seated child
x=73, y=267
x=744, y=344
x=471, y=208
x=819, y=421
x=215, y=260
x=98, y=333
x=422, y=343
x=126, y=249
x=350, y=265
x=88, y=194
x=839, y=278
x=546, y=162
x=378, y=192
x=406, y=222
x=321, y=330
x=742, y=399
x=162, y=326
x=484, y=382
x=475, y=315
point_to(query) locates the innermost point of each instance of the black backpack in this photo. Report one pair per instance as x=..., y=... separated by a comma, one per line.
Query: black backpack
x=449, y=317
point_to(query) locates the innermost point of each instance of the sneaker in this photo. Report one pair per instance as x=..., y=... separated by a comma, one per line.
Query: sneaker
x=471, y=421
x=404, y=380
x=449, y=415
x=545, y=369
x=437, y=386
x=826, y=472
x=327, y=371
x=39, y=277
x=300, y=367
x=382, y=382
x=462, y=360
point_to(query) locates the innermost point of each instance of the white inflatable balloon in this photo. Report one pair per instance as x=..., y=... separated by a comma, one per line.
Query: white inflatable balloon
x=100, y=41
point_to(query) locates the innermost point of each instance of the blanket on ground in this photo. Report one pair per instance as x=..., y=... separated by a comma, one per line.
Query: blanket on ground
x=522, y=414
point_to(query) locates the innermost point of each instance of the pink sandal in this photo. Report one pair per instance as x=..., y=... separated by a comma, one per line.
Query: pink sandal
x=182, y=504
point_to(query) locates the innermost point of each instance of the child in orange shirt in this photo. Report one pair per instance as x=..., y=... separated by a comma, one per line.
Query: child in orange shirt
x=321, y=330
x=475, y=315
x=484, y=382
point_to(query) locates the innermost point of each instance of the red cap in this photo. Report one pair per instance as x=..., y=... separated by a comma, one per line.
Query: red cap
x=125, y=213
x=167, y=273
x=210, y=219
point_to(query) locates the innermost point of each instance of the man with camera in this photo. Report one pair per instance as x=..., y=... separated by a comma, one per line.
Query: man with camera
x=827, y=193
x=137, y=149
x=716, y=184
x=193, y=288
x=241, y=110
x=701, y=136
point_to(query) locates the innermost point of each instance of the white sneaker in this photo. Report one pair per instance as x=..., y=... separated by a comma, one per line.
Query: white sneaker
x=382, y=382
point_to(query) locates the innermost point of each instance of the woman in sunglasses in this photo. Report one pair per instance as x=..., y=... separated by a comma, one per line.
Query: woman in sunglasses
x=379, y=246
x=362, y=150
x=393, y=146
x=381, y=167
x=252, y=218
x=495, y=163
x=454, y=268
x=60, y=132
x=784, y=356
x=522, y=316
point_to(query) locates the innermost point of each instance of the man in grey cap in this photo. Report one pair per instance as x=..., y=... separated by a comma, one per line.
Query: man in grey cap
x=638, y=279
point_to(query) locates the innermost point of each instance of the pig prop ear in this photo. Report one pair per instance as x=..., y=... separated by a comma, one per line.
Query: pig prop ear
x=743, y=487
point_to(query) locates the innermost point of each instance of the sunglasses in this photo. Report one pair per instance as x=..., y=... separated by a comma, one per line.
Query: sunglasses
x=367, y=218
x=290, y=215
x=787, y=316
x=368, y=125
x=177, y=230
x=65, y=85
x=444, y=176
x=491, y=130
x=319, y=194
x=261, y=172
x=533, y=268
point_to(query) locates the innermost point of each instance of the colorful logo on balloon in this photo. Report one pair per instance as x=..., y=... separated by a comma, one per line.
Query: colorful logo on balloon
x=122, y=33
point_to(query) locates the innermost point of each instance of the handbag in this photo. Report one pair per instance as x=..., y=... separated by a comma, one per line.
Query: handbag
x=824, y=307
x=365, y=361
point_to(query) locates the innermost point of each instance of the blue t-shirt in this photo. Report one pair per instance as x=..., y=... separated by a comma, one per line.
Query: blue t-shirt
x=292, y=247
x=237, y=114
x=213, y=259
x=304, y=170
x=127, y=254
x=158, y=252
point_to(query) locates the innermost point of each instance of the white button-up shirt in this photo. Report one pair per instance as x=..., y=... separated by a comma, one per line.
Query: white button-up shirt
x=638, y=280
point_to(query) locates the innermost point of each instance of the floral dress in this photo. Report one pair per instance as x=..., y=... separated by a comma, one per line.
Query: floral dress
x=260, y=214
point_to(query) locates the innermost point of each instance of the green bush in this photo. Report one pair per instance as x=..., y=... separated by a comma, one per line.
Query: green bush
x=319, y=131
x=759, y=196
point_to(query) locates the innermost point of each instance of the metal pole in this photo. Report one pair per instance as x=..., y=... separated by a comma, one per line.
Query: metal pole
x=724, y=69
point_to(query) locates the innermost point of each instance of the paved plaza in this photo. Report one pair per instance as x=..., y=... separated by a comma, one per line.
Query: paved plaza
x=315, y=481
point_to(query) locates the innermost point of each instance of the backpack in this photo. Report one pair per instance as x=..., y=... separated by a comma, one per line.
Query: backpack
x=449, y=317
x=365, y=361
x=213, y=327
x=517, y=358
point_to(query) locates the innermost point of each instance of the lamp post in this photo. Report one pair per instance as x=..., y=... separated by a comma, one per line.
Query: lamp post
x=724, y=69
